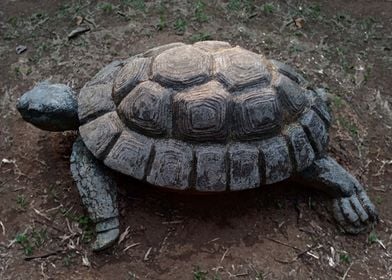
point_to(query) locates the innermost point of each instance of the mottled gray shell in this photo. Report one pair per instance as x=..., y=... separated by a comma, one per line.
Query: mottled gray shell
x=207, y=116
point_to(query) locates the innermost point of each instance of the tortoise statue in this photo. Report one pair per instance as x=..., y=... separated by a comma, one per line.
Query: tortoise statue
x=207, y=117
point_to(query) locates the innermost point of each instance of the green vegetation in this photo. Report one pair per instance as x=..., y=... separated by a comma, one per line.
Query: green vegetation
x=337, y=102
x=349, y=126
x=180, y=25
x=23, y=240
x=21, y=200
x=372, y=238
x=106, y=7
x=200, y=14
x=136, y=4
x=268, y=8
x=344, y=258
x=198, y=274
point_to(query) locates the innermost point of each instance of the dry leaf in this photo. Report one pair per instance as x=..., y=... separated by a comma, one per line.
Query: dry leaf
x=79, y=20
x=299, y=22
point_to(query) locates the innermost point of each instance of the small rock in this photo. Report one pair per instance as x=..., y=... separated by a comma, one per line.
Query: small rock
x=76, y=32
x=20, y=49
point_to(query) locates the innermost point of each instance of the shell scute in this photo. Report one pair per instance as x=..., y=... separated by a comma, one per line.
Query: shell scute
x=146, y=108
x=238, y=68
x=200, y=113
x=182, y=66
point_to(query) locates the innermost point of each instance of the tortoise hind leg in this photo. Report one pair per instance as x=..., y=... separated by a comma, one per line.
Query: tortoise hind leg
x=352, y=208
x=98, y=193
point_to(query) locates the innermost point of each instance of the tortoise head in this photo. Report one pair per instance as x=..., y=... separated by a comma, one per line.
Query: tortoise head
x=50, y=107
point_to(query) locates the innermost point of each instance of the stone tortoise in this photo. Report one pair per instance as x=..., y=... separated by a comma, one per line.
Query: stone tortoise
x=207, y=117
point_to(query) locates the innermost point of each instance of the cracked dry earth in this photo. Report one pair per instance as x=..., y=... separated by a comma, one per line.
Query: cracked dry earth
x=281, y=232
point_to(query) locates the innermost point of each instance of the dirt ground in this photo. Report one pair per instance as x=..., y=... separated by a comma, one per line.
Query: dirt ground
x=280, y=232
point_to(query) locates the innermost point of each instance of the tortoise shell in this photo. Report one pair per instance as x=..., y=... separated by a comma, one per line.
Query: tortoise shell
x=207, y=116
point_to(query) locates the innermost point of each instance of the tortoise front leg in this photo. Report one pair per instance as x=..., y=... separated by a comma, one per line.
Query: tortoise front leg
x=98, y=192
x=352, y=208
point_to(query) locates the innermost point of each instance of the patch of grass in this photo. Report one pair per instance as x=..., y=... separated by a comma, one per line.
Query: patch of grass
x=17, y=74
x=242, y=7
x=37, y=18
x=161, y=23
x=23, y=240
x=337, y=102
x=268, y=8
x=199, y=274
x=106, y=7
x=259, y=275
x=87, y=227
x=71, y=9
x=349, y=126
x=200, y=13
x=180, y=25
x=313, y=11
x=379, y=200
x=234, y=5
x=201, y=37
x=39, y=237
x=13, y=21
x=345, y=258
x=136, y=4
x=68, y=259
x=372, y=238
x=21, y=200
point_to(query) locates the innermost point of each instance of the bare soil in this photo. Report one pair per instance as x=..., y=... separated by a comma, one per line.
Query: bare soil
x=279, y=232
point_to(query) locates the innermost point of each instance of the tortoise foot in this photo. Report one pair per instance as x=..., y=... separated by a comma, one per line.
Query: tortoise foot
x=105, y=239
x=352, y=208
x=355, y=213
x=107, y=233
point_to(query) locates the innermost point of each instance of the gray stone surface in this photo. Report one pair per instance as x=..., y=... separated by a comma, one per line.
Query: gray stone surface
x=95, y=101
x=106, y=75
x=208, y=117
x=172, y=165
x=244, y=167
x=291, y=95
x=352, y=207
x=200, y=113
x=301, y=148
x=100, y=134
x=146, y=108
x=320, y=106
x=130, y=154
x=257, y=114
x=135, y=70
x=98, y=193
x=181, y=66
x=211, y=168
x=212, y=46
x=50, y=107
x=276, y=159
x=289, y=72
x=316, y=131
x=238, y=68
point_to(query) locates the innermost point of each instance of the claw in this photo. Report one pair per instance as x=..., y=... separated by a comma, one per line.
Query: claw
x=105, y=239
x=355, y=213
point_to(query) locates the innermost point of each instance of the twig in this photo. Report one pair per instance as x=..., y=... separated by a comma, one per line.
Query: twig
x=346, y=273
x=283, y=243
x=224, y=255
x=147, y=254
x=2, y=227
x=29, y=258
x=131, y=246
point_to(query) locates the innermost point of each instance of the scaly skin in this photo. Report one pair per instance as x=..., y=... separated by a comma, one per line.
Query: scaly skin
x=98, y=192
x=352, y=208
